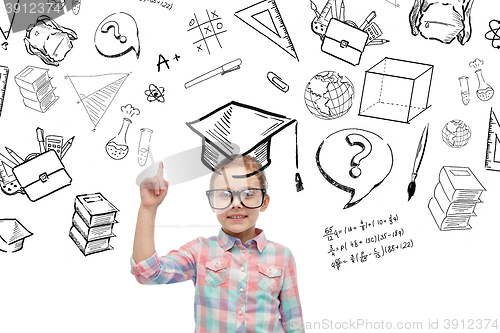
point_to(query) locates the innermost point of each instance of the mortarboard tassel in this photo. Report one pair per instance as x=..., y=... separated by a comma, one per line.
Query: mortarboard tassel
x=298, y=181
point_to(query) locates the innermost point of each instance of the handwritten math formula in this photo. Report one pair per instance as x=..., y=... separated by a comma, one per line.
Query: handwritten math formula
x=163, y=4
x=364, y=242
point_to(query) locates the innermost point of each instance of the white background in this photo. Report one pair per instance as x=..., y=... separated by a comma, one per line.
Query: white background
x=49, y=284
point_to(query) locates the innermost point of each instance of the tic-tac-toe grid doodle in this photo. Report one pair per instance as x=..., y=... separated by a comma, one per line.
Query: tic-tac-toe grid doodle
x=213, y=27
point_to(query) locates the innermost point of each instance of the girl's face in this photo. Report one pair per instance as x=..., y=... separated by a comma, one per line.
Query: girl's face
x=237, y=219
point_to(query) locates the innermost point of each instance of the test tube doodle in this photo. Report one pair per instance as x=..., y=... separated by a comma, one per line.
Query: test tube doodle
x=464, y=89
x=144, y=146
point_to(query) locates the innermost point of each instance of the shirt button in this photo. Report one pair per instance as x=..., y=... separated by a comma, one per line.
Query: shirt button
x=242, y=251
x=240, y=312
x=242, y=269
x=241, y=290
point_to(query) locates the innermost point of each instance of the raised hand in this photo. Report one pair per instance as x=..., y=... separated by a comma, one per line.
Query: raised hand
x=153, y=190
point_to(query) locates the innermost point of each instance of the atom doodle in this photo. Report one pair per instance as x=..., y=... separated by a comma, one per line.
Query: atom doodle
x=155, y=94
x=494, y=34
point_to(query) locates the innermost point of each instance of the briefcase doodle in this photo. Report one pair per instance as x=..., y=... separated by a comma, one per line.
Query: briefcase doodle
x=341, y=38
x=39, y=174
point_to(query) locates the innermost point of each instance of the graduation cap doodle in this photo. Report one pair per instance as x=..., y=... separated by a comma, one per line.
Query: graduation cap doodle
x=12, y=235
x=236, y=128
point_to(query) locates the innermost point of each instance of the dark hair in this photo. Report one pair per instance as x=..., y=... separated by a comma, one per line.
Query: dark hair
x=249, y=162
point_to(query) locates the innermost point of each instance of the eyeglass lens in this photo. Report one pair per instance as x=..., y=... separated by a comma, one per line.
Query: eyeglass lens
x=250, y=198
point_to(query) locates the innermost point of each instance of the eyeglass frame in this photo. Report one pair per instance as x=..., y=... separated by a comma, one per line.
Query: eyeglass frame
x=233, y=193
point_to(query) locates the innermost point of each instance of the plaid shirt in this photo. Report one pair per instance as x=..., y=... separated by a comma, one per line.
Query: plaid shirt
x=239, y=288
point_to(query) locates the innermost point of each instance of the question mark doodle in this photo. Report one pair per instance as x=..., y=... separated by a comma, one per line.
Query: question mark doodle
x=366, y=146
x=116, y=30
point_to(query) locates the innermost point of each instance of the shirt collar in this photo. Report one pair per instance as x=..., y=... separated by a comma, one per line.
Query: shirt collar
x=226, y=241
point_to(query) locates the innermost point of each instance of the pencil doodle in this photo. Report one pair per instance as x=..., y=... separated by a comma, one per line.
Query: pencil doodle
x=277, y=82
x=4, y=74
x=224, y=69
x=418, y=161
x=7, y=17
x=342, y=38
x=396, y=90
x=117, y=147
x=92, y=223
x=97, y=92
x=329, y=95
x=492, y=160
x=12, y=235
x=48, y=40
x=36, y=88
x=241, y=129
x=456, y=195
x=155, y=93
x=456, y=133
x=143, y=151
x=442, y=20
x=117, y=35
x=359, y=170
x=265, y=18
x=213, y=27
x=493, y=34
x=464, y=89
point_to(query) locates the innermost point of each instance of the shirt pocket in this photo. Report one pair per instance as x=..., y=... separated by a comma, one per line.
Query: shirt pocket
x=269, y=278
x=216, y=272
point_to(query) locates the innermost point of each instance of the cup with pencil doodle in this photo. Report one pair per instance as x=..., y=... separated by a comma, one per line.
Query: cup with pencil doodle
x=39, y=174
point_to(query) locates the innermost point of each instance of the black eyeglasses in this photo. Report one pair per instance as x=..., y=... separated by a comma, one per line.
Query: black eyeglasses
x=250, y=198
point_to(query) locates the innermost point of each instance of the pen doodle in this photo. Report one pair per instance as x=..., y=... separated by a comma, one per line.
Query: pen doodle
x=213, y=27
x=224, y=69
x=396, y=90
x=455, y=197
x=36, y=88
x=456, y=133
x=97, y=92
x=265, y=18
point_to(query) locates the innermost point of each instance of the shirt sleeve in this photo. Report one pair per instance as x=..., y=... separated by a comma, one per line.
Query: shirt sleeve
x=290, y=309
x=176, y=266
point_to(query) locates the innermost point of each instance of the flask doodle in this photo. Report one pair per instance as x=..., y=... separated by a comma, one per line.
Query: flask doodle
x=336, y=162
x=123, y=38
x=358, y=140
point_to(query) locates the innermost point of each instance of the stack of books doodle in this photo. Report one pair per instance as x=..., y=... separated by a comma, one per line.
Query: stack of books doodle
x=93, y=222
x=36, y=88
x=455, y=198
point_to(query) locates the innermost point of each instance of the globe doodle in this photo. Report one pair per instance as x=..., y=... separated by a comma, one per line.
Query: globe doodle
x=456, y=133
x=329, y=95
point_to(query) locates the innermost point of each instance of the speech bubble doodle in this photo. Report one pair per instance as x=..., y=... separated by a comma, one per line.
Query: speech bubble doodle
x=117, y=35
x=355, y=161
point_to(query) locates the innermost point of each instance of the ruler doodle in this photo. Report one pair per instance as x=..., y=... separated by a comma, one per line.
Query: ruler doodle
x=265, y=18
x=4, y=72
x=493, y=145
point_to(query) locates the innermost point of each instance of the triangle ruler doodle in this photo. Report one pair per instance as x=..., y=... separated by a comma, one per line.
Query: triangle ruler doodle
x=265, y=18
x=97, y=92
x=493, y=144
x=5, y=21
